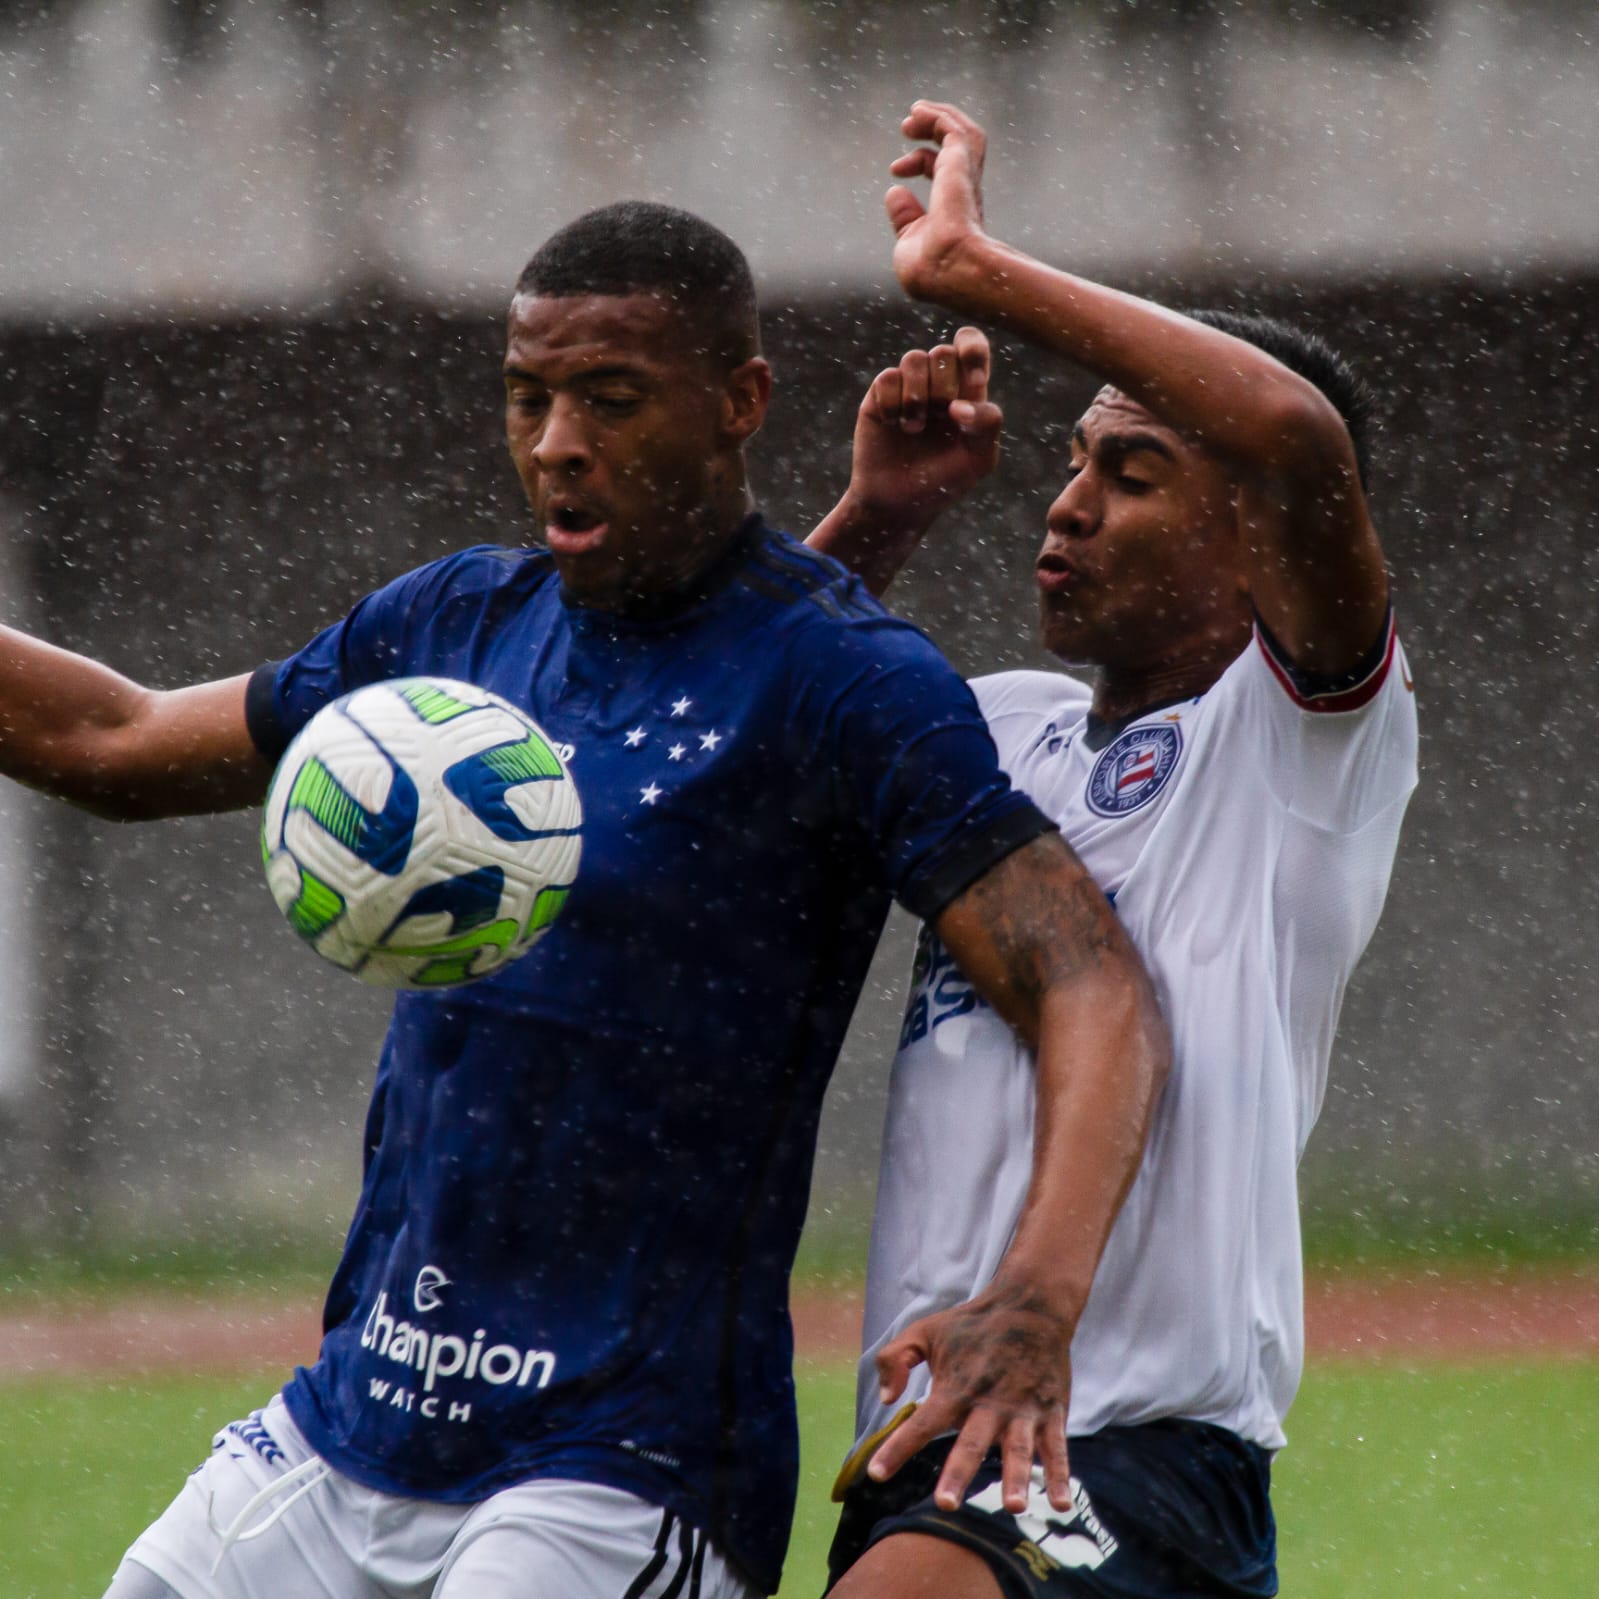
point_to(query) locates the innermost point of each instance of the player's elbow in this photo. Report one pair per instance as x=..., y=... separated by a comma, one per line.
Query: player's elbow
x=113, y=805
x=102, y=767
x=98, y=791
x=1304, y=443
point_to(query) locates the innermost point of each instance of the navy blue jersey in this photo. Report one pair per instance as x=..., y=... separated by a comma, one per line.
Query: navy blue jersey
x=586, y=1175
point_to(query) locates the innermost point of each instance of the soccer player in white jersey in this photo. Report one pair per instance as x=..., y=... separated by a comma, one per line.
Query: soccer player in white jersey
x=1235, y=781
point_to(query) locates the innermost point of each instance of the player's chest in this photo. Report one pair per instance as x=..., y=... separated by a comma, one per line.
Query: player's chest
x=677, y=761
x=675, y=754
x=650, y=729
x=1108, y=793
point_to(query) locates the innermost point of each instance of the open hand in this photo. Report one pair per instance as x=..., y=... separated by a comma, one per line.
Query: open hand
x=1001, y=1371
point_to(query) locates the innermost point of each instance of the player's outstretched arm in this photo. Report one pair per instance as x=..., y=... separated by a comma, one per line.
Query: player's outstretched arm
x=1311, y=557
x=925, y=435
x=82, y=732
x=1042, y=945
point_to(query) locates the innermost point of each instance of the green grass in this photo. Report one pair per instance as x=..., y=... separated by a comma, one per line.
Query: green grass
x=86, y=1466
x=1486, y=1231
x=1403, y=1484
x=827, y=1417
x=273, y=1260
x=1399, y=1483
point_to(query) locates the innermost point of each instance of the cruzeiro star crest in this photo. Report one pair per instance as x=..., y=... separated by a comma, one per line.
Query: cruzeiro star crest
x=1075, y=1538
x=669, y=742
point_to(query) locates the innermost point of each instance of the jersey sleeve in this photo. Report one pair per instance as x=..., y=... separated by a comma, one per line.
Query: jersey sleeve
x=912, y=764
x=1019, y=707
x=375, y=641
x=1028, y=694
x=1336, y=751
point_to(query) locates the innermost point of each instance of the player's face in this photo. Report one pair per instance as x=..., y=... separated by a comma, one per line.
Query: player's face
x=626, y=438
x=1140, y=564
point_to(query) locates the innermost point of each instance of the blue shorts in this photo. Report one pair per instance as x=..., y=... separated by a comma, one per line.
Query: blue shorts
x=1168, y=1510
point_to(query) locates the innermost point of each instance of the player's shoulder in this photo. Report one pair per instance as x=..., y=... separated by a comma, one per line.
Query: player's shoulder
x=483, y=568
x=464, y=589
x=835, y=654
x=812, y=589
x=1335, y=750
x=1375, y=697
x=1052, y=696
x=822, y=612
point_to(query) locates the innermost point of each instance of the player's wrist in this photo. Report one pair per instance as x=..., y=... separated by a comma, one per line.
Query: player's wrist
x=964, y=276
x=1042, y=1286
x=881, y=517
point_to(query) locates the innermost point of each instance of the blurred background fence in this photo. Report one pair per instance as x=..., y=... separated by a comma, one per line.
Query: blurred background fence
x=250, y=305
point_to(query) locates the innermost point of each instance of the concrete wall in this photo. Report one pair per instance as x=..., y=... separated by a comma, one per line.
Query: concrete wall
x=185, y=501
x=166, y=154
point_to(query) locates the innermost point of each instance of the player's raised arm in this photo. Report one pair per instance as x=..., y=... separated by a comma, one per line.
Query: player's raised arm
x=1310, y=557
x=82, y=732
x=1042, y=945
x=925, y=435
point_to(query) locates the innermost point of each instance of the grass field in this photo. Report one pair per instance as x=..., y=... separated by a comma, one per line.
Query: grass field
x=1400, y=1483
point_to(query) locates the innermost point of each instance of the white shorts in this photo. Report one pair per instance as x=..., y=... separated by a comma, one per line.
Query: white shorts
x=266, y=1518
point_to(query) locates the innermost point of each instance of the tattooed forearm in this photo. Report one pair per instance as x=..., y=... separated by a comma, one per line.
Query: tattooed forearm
x=1036, y=920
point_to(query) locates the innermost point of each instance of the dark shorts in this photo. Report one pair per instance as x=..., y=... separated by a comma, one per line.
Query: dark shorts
x=1169, y=1510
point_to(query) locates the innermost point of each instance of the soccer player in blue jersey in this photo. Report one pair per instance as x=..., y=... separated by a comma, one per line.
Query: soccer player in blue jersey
x=556, y=1351
x=1235, y=780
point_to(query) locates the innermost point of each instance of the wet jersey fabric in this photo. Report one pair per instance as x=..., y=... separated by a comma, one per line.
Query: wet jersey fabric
x=585, y=1176
x=1246, y=839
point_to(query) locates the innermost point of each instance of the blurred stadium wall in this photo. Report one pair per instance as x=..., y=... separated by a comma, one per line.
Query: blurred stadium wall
x=249, y=323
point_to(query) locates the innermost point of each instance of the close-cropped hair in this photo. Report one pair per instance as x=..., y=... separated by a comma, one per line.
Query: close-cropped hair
x=642, y=247
x=1314, y=359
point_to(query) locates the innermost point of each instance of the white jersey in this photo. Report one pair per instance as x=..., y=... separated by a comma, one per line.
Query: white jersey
x=1246, y=839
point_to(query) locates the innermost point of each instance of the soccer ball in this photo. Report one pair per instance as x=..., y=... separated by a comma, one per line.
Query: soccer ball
x=421, y=833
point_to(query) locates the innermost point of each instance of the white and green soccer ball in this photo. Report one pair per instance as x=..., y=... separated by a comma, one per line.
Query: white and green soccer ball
x=421, y=833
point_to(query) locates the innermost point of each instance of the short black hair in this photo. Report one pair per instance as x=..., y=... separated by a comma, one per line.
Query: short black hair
x=641, y=247
x=1314, y=359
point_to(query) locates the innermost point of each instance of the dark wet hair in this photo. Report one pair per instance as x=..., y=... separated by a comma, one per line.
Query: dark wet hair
x=1313, y=359
x=640, y=247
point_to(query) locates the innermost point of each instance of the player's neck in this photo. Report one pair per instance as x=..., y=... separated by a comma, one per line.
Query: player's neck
x=717, y=553
x=723, y=523
x=1123, y=692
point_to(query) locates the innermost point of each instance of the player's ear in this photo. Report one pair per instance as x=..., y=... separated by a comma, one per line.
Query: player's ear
x=745, y=397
